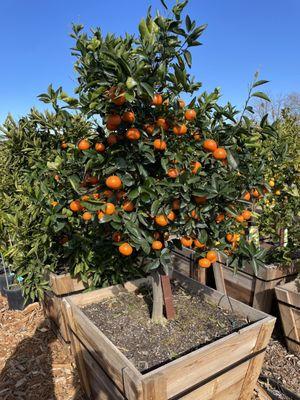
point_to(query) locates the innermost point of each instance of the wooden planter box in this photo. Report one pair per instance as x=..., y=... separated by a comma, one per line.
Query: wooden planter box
x=227, y=368
x=254, y=290
x=61, y=286
x=288, y=297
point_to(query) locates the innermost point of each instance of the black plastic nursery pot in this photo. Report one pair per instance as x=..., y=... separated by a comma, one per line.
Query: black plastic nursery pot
x=15, y=298
x=3, y=285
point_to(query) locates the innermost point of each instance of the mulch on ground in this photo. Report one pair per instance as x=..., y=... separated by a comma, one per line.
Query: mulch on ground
x=33, y=363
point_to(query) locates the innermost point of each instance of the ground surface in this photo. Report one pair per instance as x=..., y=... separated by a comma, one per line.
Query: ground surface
x=35, y=366
x=33, y=363
x=124, y=319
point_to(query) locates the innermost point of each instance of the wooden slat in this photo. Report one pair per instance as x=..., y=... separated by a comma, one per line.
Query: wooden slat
x=95, y=296
x=102, y=388
x=262, y=394
x=154, y=388
x=104, y=351
x=132, y=385
x=201, y=364
x=65, y=284
x=53, y=308
x=167, y=296
x=219, y=276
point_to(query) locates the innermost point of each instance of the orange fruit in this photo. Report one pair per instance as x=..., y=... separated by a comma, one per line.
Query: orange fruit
x=219, y=218
x=204, y=263
x=200, y=199
x=161, y=122
x=176, y=204
x=173, y=173
x=246, y=214
x=57, y=178
x=75, y=206
x=112, y=139
x=149, y=128
x=159, y=144
x=85, y=198
x=110, y=208
x=126, y=249
x=84, y=144
x=240, y=218
x=99, y=147
x=128, y=116
x=255, y=193
x=157, y=100
x=113, y=182
x=117, y=237
x=190, y=115
x=171, y=216
x=100, y=215
x=247, y=196
x=229, y=237
x=195, y=165
x=220, y=154
x=117, y=96
x=133, y=134
x=87, y=216
x=180, y=129
x=64, y=145
x=210, y=145
x=128, y=206
x=186, y=241
x=157, y=245
x=181, y=103
x=212, y=256
x=194, y=214
x=108, y=193
x=161, y=220
x=54, y=203
x=199, y=244
x=113, y=120
x=96, y=196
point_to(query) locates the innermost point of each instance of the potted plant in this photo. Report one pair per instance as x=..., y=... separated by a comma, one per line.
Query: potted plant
x=288, y=297
x=163, y=171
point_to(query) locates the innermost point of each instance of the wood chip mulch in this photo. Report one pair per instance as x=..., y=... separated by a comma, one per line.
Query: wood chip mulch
x=33, y=363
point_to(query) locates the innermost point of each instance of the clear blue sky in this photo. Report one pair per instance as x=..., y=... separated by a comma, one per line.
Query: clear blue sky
x=242, y=36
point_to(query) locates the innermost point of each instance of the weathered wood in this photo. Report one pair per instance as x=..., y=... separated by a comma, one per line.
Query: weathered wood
x=65, y=284
x=168, y=297
x=215, y=371
x=219, y=276
x=262, y=394
x=288, y=297
x=53, y=309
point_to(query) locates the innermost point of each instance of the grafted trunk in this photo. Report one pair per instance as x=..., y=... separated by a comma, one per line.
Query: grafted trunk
x=158, y=302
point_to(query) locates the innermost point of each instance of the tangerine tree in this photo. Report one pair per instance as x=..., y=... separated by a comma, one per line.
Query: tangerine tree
x=168, y=173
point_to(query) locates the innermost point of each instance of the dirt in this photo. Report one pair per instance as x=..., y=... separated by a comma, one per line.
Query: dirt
x=125, y=320
x=33, y=363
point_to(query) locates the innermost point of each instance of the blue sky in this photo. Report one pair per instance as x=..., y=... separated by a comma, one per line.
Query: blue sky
x=242, y=37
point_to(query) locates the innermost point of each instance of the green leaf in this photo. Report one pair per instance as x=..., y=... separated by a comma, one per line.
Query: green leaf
x=149, y=89
x=188, y=57
x=261, y=82
x=164, y=4
x=261, y=95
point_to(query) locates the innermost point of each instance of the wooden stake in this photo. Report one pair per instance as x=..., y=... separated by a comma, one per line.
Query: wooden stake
x=167, y=296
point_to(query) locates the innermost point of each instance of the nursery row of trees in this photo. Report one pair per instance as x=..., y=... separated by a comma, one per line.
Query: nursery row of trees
x=109, y=181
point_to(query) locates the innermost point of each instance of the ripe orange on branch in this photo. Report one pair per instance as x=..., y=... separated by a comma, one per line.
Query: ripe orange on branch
x=180, y=129
x=157, y=100
x=210, y=145
x=161, y=220
x=117, y=96
x=196, y=165
x=173, y=173
x=171, y=216
x=133, y=134
x=84, y=144
x=157, y=245
x=186, y=241
x=246, y=214
x=113, y=120
x=128, y=116
x=87, y=216
x=204, y=263
x=220, y=154
x=113, y=182
x=110, y=208
x=99, y=147
x=159, y=144
x=125, y=249
x=190, y=115
x=128, y=206
x=75, y=206
x=198, y=244
x=212, y=256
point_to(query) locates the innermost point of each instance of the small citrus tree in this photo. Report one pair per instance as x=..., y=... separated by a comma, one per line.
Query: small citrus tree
x=169, y=174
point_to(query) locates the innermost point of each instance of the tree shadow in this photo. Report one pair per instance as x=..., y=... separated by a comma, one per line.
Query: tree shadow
x=31, y=373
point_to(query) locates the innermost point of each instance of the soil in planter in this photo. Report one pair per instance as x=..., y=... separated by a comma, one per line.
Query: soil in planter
x=125, y=320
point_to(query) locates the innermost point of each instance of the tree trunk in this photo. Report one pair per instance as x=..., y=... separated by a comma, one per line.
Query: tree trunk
x=157, y=310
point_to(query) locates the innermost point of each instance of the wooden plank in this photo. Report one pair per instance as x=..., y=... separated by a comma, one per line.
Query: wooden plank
x=111, y=291
x=102, y=388
x=104, y=351
x=154, y=388
x=65, y=284
x=219, y=298
x=132, y=385
x=239, y=293
x=264, y=295
x=167, y=296
x=199, y=365
x=77, y=350
x=219, y=276
x=226, y=386
x=255, y=364
x=262, y=394
x=294, y=293
x=54, y=311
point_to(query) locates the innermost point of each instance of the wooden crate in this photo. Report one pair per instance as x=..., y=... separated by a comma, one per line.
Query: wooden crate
x=61, y=286
x=226, y=369
x=288, y=297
